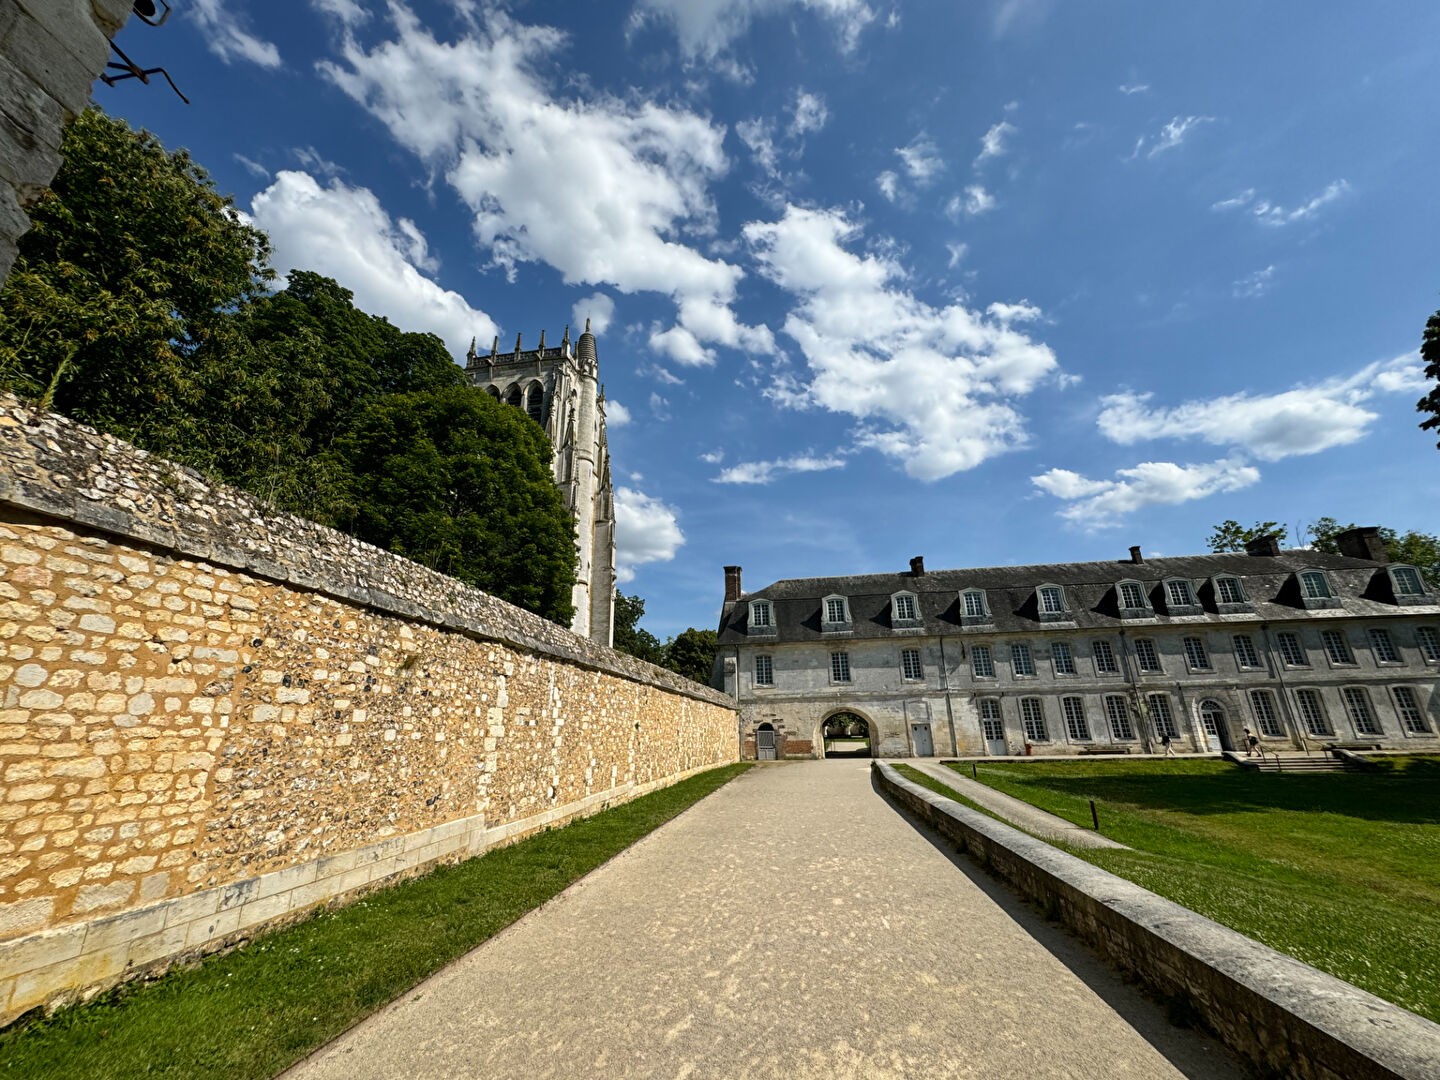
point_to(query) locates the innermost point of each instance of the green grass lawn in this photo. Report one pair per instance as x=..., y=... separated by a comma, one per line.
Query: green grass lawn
x=257, y=1010
x=1339, y=870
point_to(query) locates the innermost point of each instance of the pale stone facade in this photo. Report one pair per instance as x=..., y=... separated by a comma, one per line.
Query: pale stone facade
x=1305, y=649
x=559, y=388
x=211, y=719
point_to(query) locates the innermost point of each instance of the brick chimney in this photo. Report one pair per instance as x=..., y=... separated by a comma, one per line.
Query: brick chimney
x=732, y=584
x=1135, y=556
x=1263, y=545
x=917, y=566
x=1363, y=543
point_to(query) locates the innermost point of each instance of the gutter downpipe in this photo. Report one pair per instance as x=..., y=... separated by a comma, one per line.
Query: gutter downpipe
x=945, y=686
x=1137, y=705
x=1278, y=671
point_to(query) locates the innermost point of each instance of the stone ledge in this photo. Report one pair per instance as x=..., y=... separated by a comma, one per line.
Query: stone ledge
x=57, y=967
x=1275, y=1011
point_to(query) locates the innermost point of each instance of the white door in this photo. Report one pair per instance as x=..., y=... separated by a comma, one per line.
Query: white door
x=922, y=742
x=994, y=732
x=1211, y=717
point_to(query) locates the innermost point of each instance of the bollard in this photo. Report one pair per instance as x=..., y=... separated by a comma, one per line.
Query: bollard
x=1094, y=815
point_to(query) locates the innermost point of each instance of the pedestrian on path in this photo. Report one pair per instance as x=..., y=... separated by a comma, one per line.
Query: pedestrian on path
x=1165, y=742
x=1252, y=744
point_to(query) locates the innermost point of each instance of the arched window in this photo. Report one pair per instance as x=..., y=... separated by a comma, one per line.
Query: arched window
x=535, y=402
x=512, y=396
x=493, y=391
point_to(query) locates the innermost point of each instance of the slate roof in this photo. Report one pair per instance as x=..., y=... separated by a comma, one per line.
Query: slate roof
x=1362, y=587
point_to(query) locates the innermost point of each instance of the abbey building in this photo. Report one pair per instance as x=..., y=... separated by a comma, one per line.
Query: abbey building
x=1305, y=649
x=559, y=388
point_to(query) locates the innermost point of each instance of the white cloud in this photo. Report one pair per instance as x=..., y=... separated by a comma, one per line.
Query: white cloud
x=992, y=143
x=1134, y=88
x=348, y=12
x=957, y=253
x=713, y=457
x=810, y=114
x=1257, y=284
x=889, y=185
x=598, y=308
x=1170, y=136
x=254, y=168
x=759, y=136
x=227, y=37
x=933, y=385
x=616, y=415
x=975, y=200
x=1304, y=420
x=1268, y=213
x=478, y=109
x=706, y=28
x=1096, y=504
x=1015, y=14
x=922, y=161
x=659, y=406
x=646, y=531
x=344, y=233
x=763, y=472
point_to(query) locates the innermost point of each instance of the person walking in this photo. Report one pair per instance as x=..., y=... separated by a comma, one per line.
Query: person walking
x=1252, y=744
x=1165, y=742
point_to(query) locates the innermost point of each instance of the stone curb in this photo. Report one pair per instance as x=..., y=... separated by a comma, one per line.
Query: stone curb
x=1275, y=1011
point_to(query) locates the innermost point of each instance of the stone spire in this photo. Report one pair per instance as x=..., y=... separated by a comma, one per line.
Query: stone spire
x=585, y=347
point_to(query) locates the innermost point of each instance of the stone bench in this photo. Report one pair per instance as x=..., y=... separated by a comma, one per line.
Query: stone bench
x=1105, y=750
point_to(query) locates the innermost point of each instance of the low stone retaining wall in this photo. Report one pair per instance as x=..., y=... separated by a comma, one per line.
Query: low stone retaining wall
x=1284, y=1016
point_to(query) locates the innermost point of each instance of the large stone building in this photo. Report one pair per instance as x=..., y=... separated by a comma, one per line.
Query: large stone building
x=559, y=388
x=1306, y=649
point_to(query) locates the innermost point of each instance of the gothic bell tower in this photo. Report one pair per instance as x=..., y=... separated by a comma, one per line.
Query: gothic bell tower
x=559, y=388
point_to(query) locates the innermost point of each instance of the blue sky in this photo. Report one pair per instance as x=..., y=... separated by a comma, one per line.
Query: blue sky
x=1004, y=281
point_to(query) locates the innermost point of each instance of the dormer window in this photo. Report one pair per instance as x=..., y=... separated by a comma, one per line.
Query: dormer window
x=904, y=610
x=1050, y=601
x=1132, y=596
x=1315, y=591
x=1407, y=585
x=1229, y=590
x=762, y=617
x=973, y=607
x=1179, y=594
x=835, y=614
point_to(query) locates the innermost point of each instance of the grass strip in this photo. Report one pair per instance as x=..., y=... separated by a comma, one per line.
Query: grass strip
x=257, y=1010
x=1341, y=871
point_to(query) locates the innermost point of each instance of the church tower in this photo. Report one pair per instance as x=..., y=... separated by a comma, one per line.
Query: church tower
x=559, y=389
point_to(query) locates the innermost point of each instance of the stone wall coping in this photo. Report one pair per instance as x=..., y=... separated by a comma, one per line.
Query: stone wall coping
x=59, y=468
x=1361, y=1035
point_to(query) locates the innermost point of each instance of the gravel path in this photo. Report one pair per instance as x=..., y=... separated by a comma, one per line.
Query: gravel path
x=793, y=925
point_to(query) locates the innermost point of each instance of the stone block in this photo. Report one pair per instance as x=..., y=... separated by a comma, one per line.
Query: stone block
x=120, y=930
x=45, y=949
x=96, y=897
x=158, y=946
x=284, y=880
x=64, y=57
x=262, y=911
x=201, y=932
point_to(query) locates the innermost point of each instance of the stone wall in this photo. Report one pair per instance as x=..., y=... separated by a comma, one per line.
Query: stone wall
x=1284, y=1016
x=212, y=718
x=50, y=53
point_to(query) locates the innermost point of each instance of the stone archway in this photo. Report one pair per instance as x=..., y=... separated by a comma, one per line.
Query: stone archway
x=847, y=734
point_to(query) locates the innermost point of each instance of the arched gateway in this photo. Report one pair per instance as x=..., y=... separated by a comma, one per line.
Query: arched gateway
x=847, y=734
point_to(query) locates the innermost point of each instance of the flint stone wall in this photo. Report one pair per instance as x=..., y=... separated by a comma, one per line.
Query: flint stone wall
x=1283, y=1015
x=50, y=53
x=213, y=718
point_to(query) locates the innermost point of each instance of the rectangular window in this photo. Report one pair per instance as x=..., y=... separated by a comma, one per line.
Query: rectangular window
x=760, y=613
x=1052, y=600
x=1179, y=594
x=1117, y=711
x=905, y=608
x=990, y=722
x=982, y=664
x=1229, y=590
x=839, y=667
x=910, y=664
x=1385, y=651
x=1105, y=658
x=1407, y=582
x=1032, y=716
x=764, y=671
x=1131, y=595
x=1063, y=658
x=1262, y=704
x=1021, y=663
x=835, y=611
x=1408, y=706
x=1163, y=716
x=975, y=605
x=1195, y=654
x=1076, y=726
x=1314, y=585
x=1312, y=713
x=1357, y=704
x=1428, y=638
x=1336, y=647
x=1245, y=654
x=1290, y=650
x=1146, y=655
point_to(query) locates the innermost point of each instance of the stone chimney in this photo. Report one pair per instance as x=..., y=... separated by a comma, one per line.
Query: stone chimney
x=732, y=584
x=917, y=566
x=1135, y=556
x=1363, y=543
x=1263, y=545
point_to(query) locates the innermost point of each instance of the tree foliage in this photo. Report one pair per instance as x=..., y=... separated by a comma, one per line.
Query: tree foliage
x=1230, y=535
x=1417, y=549
x=1430, y=353
x=630, y=636
x=690, y=653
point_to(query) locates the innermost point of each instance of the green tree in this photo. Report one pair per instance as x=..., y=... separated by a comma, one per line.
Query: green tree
x=630, y=636
x=455, y=480
x=1232, y=536
x=1430, y=353
x=1417, y=549
x=691, y=653
x=132, y=260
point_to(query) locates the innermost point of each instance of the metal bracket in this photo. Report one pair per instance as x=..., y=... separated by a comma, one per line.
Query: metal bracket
x=130, y=70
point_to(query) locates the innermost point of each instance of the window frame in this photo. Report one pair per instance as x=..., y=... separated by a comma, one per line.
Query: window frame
x=1254, y=663
x=905, y=656
x=1112, y=662
x=1022, y=649
x=904, y=598
x=1382, y=643
x=1269, y=717
x=1300, y=650
x=769, y=669
x=1035, y=705
x=1420, y=725
x=1190, y=606
x=966, y=617
x=986, y=706
x=1069, y=659
x=1117, y=716
x=1420, y=595
x=840, y=663
x=1199, y=648
x=1309, y=598
x=1141, y=658
x=1048, y=593
x=1120, y=598
x=1329, y=636
x=989, y=654
x=1350, y=696
x=1077, y=722
x=1222, y=580
x=754, y=624
x=1163, y=725
x=1427, y=640
x=1321, y=718
x=826, y=609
